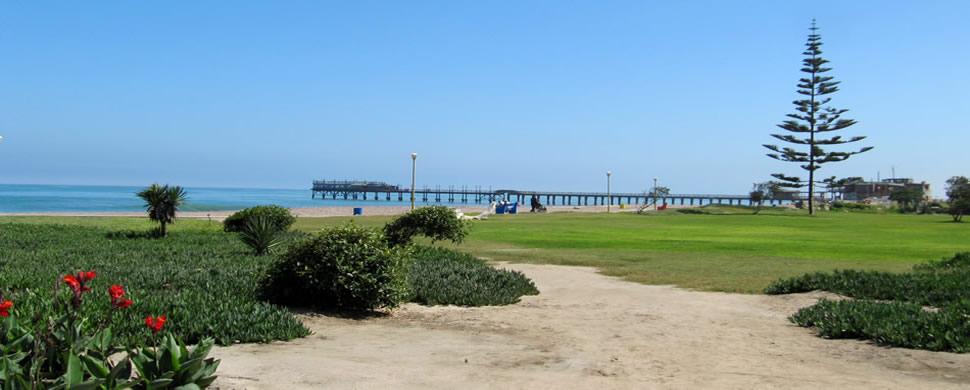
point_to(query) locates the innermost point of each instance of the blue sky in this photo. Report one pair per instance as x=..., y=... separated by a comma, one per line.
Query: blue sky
x=535, y=95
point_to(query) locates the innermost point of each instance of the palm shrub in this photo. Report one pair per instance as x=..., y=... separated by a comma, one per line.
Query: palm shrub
x=344, y=267
x=435, y=222
x=260, y=234
x=278, y=216
x=162, y=203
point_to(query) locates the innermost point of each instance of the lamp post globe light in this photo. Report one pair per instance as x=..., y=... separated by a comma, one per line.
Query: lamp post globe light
x=609, y=201
x=414, y=162
x=655, y=193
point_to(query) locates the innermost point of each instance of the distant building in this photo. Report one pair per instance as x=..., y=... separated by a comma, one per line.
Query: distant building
x=788, y=195
x=862, y=190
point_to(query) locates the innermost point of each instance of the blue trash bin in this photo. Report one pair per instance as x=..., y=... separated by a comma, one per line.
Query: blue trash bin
x=358, y=211
x=507, y=208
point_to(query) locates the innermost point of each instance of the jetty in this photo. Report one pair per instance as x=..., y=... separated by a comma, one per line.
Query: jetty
x=370, y=190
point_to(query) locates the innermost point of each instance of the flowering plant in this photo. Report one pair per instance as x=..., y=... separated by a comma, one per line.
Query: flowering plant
x=66, y=352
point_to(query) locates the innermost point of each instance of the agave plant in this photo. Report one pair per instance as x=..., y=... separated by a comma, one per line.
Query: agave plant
x=261, y=234
x=162, y=203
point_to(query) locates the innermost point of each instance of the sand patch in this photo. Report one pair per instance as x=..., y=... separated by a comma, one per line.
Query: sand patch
x=585, y=330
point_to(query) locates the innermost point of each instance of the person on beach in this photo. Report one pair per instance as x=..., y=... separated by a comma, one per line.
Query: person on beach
x=536, y=206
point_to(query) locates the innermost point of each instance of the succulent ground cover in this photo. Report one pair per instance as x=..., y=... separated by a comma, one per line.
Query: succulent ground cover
x=441, y=276
x=927, y=308
x=203, y=279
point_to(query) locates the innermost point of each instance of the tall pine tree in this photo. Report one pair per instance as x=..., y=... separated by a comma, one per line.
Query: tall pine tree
x=810, y=121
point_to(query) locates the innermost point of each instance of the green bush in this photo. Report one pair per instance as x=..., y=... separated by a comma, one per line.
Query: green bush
x=279, y=217
x=959, y=261
x=436, y=222
x=923, y=288
x=442, y=276
x=890, y=306
x=205, y=280
x=852, y=206
x=891, y=323
x=345, y=267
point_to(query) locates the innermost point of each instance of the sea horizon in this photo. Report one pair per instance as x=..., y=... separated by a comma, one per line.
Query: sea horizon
x=40, y=198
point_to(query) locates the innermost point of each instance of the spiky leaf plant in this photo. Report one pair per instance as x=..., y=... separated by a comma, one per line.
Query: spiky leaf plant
x=261, y=234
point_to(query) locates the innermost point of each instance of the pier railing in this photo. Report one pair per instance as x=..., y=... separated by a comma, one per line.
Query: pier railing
x=383, y=191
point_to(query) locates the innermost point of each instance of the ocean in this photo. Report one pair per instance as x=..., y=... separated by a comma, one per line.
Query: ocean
x=30, y=198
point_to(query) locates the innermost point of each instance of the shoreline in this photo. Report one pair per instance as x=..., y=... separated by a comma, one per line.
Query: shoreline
x=324, y=211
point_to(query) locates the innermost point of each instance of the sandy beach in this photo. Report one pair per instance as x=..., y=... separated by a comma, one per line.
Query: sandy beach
x=338, y=211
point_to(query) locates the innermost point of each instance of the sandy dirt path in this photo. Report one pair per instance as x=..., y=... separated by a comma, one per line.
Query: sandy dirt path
x=585, y=331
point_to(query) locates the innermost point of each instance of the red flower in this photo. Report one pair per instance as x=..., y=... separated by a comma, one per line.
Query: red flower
x=77, y=282
x=117, y=292
x=4, y=306
x=155, y=324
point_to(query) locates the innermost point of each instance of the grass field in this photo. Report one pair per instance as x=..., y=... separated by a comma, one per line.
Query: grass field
x=727, y=250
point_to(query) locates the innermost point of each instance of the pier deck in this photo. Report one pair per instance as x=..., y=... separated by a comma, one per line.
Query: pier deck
x=381, y=191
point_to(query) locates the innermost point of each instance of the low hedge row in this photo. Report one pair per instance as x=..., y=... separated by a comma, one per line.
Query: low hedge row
x=891, y=323
x=923, y=288
x=889, y=308
x=442, y=276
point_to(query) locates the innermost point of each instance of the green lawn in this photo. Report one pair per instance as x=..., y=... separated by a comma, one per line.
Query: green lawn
x=736, y=252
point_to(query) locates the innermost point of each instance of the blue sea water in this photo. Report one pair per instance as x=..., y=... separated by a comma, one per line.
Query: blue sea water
x=28, y=198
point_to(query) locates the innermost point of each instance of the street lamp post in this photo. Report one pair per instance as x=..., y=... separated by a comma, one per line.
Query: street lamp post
x=414, y=162
x=609, y=201
x=654, y=194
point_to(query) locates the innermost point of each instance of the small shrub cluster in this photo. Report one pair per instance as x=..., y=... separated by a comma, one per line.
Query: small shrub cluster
x=442, y=276
x=435, y=222
x=889, y=306
x=279, y=217
x=924, y=288
x=891, y=323
x=959, y=261
x=345, y=267
x=352, y=268
x=852, y=206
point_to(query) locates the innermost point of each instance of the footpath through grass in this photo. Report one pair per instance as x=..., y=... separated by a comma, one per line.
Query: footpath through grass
x=734, y=251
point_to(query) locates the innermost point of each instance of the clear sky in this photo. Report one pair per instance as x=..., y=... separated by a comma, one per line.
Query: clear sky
x=532, y=95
